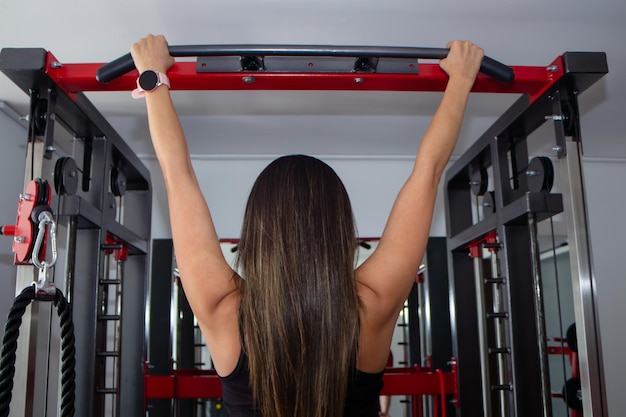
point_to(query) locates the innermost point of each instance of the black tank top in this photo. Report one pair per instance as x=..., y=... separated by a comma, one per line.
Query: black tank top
x=361, y=397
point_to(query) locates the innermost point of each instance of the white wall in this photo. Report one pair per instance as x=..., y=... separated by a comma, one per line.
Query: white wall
x=372, y=184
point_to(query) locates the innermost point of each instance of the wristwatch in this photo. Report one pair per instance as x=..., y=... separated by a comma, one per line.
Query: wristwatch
x=148, y=81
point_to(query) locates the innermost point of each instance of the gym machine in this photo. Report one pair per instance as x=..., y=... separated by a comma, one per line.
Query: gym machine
x=97, y=195
x=112, y=178
x=497, y=200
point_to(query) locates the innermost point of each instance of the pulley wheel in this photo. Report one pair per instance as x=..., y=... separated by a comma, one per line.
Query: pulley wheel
x=567, y=108
x=540, y=174
x=118, y=181
x=479, y=181
x=40, y=117
x=43, y=192
x=65, y=176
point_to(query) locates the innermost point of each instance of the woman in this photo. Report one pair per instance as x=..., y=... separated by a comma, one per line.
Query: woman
x=301, y=333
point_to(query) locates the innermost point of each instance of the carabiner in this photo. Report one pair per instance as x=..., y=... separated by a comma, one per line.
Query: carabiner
x=45, y=219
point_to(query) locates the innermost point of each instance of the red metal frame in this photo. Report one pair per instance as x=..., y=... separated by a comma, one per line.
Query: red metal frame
x=414, y=381
x=531, y=80
x=475, y=248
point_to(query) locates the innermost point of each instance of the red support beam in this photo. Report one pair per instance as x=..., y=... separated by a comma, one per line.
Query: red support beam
x=76, y=78
x=182, y=386
x=206, y=384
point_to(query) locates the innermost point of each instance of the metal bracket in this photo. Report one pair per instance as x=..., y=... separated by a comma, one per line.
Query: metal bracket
x=306, y=64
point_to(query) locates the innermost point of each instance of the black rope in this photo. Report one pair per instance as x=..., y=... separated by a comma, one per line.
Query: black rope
x=68, y=350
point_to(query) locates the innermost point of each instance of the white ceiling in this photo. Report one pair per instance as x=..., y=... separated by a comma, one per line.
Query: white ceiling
x=528, y=32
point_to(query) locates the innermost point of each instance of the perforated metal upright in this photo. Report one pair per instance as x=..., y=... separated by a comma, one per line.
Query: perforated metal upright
x=508, y=376
x=102, y=207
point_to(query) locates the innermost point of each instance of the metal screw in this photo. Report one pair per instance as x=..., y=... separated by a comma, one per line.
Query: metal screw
x=358, y=80
x=56, y=64
x=557, y=149
x=51, y=149
x=533, y=173
x=19, y=239
x=556, y=117
x=25, y=197
x=552, y=68
x=248, y=80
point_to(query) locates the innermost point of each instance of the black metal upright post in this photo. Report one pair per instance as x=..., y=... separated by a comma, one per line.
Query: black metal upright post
x=101, y=193
x=506, y=209
x=160, y=326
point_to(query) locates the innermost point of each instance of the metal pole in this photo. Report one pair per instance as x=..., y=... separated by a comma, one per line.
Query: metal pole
x=540, y=322
x=425, y=337
x=583, y=286
x=482, y=332
x=30, y=382
x=500, y=335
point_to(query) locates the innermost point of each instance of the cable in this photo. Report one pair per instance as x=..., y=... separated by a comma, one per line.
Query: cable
x=558, y=290
x=68, y=350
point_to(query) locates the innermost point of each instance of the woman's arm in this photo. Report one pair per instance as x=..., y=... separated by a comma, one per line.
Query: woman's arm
x=207, y=278
x=387, y=276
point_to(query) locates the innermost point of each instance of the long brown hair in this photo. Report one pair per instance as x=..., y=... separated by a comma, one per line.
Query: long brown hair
x=299, y=305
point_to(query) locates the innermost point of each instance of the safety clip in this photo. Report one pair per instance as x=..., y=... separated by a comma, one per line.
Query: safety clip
x=46, y=224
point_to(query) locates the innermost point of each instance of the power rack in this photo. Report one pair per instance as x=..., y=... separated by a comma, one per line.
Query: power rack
x=113, y=177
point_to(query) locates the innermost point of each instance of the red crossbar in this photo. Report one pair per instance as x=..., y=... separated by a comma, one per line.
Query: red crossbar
x=182, y=386
x=531, y=80
x=397, y=381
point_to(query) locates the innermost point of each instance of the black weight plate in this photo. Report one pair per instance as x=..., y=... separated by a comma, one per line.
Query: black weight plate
x=570, y=336
x=572, y=394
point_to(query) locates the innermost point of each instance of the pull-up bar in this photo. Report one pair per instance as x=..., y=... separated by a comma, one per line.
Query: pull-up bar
x=366, y=57
x=279, y=67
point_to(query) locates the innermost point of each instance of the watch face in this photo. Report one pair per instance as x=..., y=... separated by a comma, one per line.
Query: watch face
x=148, y=80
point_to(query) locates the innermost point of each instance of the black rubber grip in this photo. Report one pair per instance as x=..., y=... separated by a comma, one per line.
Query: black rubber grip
x=115, y=69
x=124, y=64
x=497, y=70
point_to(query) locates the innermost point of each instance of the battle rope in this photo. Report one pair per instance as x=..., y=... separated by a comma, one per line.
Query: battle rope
x=68, y=350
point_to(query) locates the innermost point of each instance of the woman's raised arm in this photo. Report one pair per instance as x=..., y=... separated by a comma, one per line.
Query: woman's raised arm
x=390, y=272
x=208, y=280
